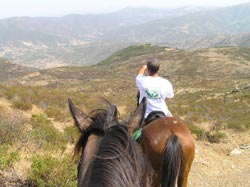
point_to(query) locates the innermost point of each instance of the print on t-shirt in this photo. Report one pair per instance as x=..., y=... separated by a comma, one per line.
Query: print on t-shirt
x=152, y=94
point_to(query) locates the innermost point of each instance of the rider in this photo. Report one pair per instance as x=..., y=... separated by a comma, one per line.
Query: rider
x=155, y=88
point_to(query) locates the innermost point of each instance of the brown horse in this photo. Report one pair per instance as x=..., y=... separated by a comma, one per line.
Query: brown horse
x=170, y=147
x=110, y=157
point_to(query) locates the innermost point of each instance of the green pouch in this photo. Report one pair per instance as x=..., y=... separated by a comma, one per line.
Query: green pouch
x=137, y=134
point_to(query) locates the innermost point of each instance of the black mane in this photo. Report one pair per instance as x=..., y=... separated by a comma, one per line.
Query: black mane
x=102, y=120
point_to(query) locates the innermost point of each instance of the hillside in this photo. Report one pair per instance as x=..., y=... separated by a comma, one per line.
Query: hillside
x=182, y=66
x=215, y=73
x=10, y=70
x=212, y=94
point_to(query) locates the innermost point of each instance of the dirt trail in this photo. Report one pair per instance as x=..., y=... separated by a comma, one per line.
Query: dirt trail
x=222, y=165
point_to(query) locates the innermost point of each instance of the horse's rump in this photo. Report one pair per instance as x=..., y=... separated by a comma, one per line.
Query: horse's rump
x=170, y=147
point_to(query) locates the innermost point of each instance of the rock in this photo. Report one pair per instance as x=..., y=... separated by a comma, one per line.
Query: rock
x=243, y=71
x=235, y=152
x=205, y=162
x=246, y=87
x=244, y=147
x=235, y=90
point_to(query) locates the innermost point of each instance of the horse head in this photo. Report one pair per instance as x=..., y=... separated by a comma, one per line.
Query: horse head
x=104, y=139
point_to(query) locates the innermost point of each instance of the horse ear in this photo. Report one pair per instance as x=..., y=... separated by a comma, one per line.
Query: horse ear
x=112, y=109
x=82, y=121
x=136, y=118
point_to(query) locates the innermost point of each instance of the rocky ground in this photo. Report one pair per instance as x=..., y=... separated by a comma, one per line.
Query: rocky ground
x=225, y=164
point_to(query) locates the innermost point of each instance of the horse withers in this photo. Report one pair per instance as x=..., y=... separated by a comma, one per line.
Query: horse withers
x=109, y=155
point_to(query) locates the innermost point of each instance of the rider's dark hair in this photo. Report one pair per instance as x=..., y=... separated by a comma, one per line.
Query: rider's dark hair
x=153, y=66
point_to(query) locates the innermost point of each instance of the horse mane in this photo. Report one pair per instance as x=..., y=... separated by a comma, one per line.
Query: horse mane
x=118, y=162
x=102, y=119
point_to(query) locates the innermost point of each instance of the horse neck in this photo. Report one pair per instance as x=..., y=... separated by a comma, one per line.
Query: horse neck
x=88, y=153
x=118, y=162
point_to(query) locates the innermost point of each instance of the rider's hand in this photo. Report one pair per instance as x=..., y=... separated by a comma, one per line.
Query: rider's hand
x=145, y=67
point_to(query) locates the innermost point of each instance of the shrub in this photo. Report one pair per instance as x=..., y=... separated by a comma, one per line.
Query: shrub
x=45, y=134
x=22, y=105
x=11, y=127
x=55, y=113
x=200, y=133
x=213, y=137
x=216, y=137
x=7, y=157
x=52, y=172
x=71, y=134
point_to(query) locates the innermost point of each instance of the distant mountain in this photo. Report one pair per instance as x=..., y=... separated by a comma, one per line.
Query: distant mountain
x=84, y=27
x=220, y=21
x=72, y=39
x=215, y=41
x=89, y=39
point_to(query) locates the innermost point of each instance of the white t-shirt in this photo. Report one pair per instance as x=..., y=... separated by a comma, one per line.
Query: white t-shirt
x=156, y=90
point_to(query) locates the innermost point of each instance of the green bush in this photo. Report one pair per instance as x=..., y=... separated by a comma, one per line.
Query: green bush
x=22, y=105
x=45, y=135
x=53, y=172
x=53, y=112
x=213, y=137
x=7, y=157
x=216, y=137
x=200, y=133
x=71, y=134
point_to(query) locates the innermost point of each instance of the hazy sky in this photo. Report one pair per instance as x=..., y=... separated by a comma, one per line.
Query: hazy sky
x=11, y=8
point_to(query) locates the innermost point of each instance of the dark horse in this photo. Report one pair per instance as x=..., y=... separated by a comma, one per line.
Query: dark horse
x=110, y=157
x=170, y=147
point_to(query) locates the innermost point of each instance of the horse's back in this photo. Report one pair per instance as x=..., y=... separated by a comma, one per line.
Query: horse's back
x=162, y=128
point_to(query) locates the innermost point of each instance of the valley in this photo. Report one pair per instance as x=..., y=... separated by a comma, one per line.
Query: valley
x=80, y=40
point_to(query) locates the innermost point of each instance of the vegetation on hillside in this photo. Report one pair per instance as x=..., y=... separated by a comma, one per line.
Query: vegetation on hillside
x=212, y=94
x=132, y=52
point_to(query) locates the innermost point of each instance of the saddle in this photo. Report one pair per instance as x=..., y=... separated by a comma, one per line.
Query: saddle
x=153, y=116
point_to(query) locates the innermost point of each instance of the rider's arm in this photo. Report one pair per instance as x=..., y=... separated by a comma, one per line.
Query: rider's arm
x=169, y=90
x=142, y=70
